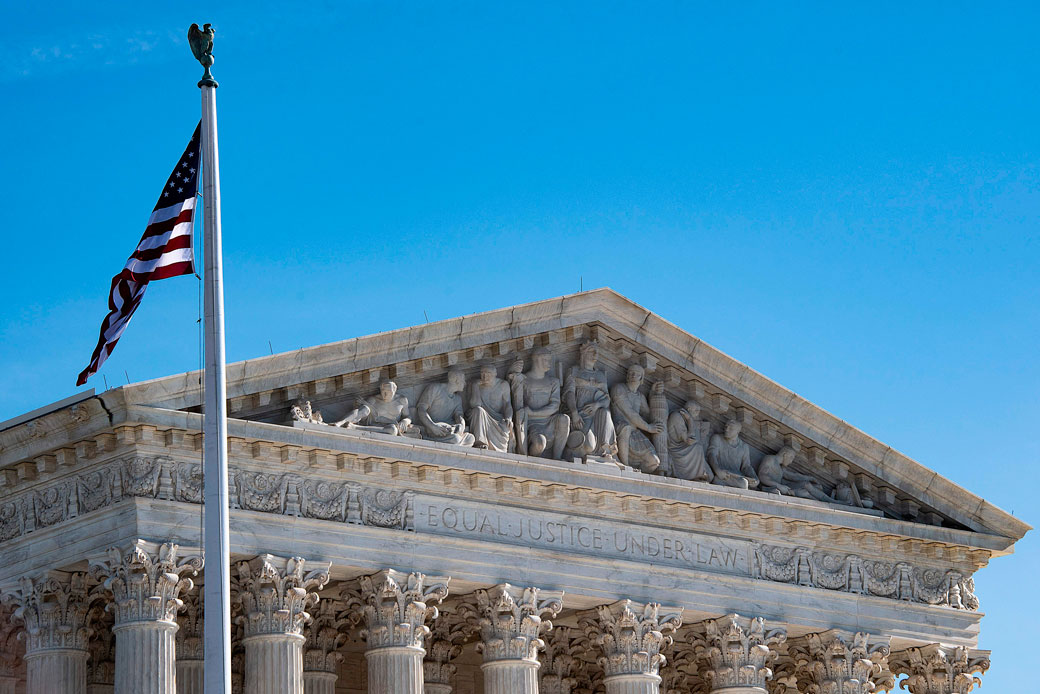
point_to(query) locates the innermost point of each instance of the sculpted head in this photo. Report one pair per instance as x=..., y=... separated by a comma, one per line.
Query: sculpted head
x=541, y=359
x=693, y=407
x=634, y=377
x=488, y=374
x=387, y=390
x=785, y=455
x=456, y=380
x=732, y=429
x=588, y=354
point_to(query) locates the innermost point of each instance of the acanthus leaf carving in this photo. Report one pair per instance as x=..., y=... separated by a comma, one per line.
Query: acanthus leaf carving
x=396, y=606
x=146, y=580
x=936, y=669
x=510, y=621
x=54, y=608
x=324, y=637
x=736, y=651
x=275, y=593
x=632, y=636
x=834, y=662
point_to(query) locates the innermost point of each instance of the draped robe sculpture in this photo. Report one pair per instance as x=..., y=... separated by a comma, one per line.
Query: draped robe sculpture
x=630, y=411
x=541, y=428
x=587, y=400
x=730, y=459
x=440, y=414
x=687, y=436
x=491, y=413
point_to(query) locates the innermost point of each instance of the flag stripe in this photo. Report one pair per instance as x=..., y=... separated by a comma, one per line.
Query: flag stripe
x=164, y=251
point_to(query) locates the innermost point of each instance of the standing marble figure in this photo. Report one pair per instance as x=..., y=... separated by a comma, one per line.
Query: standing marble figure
x=439, y=411
x=491, y=413
x=540, y=426
x=730, y=458
x=587, y=399
x=630, y=411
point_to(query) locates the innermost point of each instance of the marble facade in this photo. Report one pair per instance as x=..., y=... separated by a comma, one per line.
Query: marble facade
x=569, y=496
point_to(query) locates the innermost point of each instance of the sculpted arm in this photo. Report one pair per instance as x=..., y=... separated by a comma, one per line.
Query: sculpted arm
x=422, y=412
x=677, y=430
x=713, y=454
x=553, y=406
x=623, y=403
x=745, y=465
x=570, y=400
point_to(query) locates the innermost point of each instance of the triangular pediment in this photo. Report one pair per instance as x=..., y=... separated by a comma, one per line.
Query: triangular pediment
x=334, y=376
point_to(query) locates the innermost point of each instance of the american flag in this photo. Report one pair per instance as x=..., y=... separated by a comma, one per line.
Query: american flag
x=163, y=251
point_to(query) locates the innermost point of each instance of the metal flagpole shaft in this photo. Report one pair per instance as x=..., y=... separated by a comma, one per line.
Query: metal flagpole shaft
x=217, y=587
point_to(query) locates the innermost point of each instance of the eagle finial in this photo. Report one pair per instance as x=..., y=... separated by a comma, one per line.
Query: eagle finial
x=201, y=42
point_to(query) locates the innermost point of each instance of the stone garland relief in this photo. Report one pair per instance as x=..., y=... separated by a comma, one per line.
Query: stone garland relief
x=578, y=414
x=348, y=502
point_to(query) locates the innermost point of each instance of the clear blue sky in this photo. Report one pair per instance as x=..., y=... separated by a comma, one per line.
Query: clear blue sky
x=844, y=198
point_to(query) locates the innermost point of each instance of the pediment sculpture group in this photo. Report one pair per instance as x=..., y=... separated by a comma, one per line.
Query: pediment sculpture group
x=533, y=413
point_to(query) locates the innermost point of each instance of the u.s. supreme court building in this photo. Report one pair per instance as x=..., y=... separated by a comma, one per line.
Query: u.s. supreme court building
x=572, y=496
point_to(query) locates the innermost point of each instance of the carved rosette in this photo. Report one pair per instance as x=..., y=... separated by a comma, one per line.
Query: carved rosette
x=275, y=593
x=189, y=635
x=442, y=647
x=145, y=581
x=510, y=621
x=395, y=606
x=838, y=663
x=559, y=663
x=736, y=651
x=936, y=669
x=323, y=640
x=632, y=635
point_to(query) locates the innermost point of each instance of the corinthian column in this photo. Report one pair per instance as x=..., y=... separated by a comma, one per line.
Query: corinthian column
x=320, y=657
x=558, y=663
x=395, y=607
x=735, y=653
x=839, y=663
x=935, y=669
x=443, y=645
x=54, y=611
x=510, y=621
x=190, y=671
x=631, y=636
x=145, y=582
x=275, y=594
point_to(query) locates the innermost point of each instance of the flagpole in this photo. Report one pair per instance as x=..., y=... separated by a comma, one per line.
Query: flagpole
x=217, y=587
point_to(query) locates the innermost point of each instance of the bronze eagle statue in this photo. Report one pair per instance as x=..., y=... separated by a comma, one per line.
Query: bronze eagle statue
x=201, y=42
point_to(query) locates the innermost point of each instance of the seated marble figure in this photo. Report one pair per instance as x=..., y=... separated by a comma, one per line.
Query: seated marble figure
x=630, y=411
x=541, y=429
x=687, y=435
x=440, y=414
x=385, y=413
x=491, y=412
x=730, y=458
x=586, y=399
x=775, y=475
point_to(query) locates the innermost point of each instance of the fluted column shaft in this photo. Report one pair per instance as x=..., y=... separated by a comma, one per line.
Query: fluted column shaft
x=274, y=664
x=633, y=684
x=395, y=670
x=190, y=676
x=145, y=657
x=56, y=671
x=319, y=682
x=510, y=677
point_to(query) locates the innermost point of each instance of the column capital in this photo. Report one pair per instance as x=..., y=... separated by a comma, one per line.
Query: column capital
x=53, y=607
x=395, y=606
x=323, y=639
x=443, y=646
x=275, y=593
x=145, y=580
x=101, y=664
x=841, y=662
x=189, y=633
x=510, y=620
x=632, y=635
x=736, y=651
x=558, y=662
x=10, y=649
x=936, y=669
